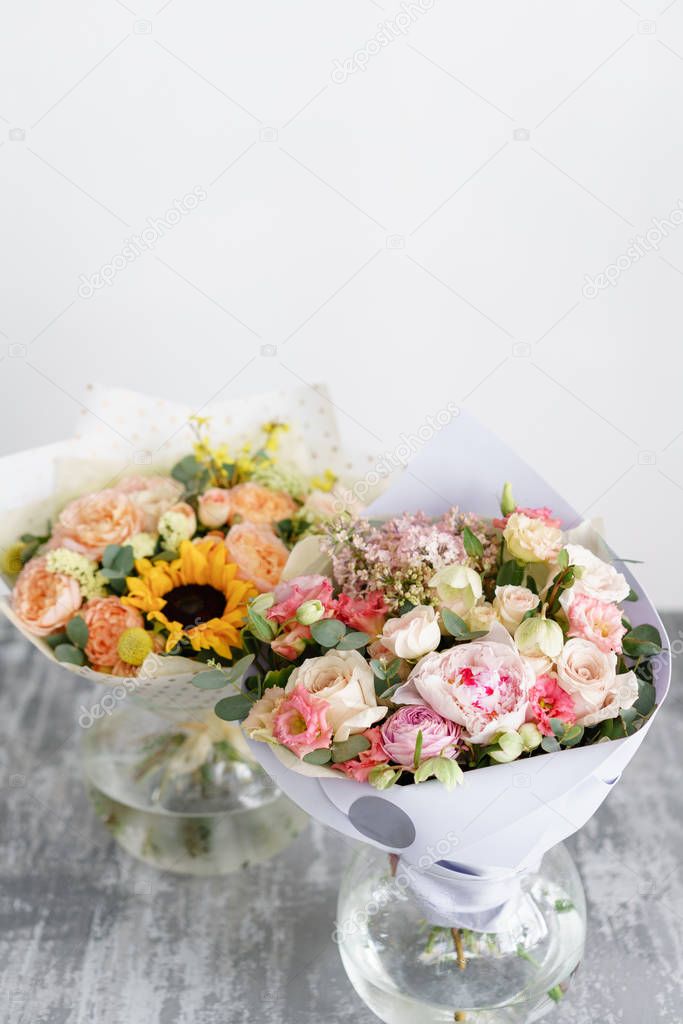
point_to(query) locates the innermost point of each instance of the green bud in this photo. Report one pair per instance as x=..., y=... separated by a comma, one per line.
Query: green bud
x=530, y=736
x=510, y=746
x=310, y=612
x=539, y=636
x=507, y=501
x=261, y=604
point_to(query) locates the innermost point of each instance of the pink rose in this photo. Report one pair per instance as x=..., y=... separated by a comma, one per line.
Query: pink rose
x=45, y=601
x=88, y=524
x=548, y=700
x=440, y=737
x=153, y=495
x=300, y=722
x=290, y=595
x=358, y=768
x=596, y=621
x=107, y=618
x=482, y=686
x=214, y=507
x=367, y=614
x=293, y=643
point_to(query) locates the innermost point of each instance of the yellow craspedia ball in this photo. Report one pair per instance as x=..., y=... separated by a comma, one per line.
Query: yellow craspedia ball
x=11, y=559
x=134, y=645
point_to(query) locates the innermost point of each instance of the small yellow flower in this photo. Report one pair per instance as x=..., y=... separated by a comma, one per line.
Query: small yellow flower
x=11, y=563
x=134, y=645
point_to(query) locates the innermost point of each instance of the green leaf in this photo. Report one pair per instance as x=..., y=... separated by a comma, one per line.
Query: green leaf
x=510, y=574
x=347, y=749
x=353, y=641
x=124, y=560
x=378, y=668
x=77, y=631
x=69, y=654
x=563, y=559
x=572, y=736
x=214, y=679
x=473, y=546
x=557, y=725
x=233, y=709
x=29, y=551
x=277, y=677
x=112, y=574
x=453, y=623
x=418, y=749
x=550, y=744
x=447, y=771
x=56, y=639
x=260, y=627
x=632, y=596
x=320, y=756
x=382, y=777
x=530, y=583
x=110, y=553
x=642, y=642
x=328, y=632
x=235, y=672
x=647, y=697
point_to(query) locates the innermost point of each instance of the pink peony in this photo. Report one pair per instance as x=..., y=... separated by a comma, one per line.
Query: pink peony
x=440, y=737
x=367, y=614
x=544, y=513
x=300, y=722
x=153, y=495
x=597, y=621
x=548, y=700
x=482, y=686
x=106, y=619
x=358, y=768
x=88, y=524
x=293, y=643
x=213, y=507
x=290, y=595
x=44, y=601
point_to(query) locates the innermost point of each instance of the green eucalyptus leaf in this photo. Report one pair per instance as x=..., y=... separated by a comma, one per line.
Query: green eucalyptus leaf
x=642, y=642
x=353, y=641
x=454, y=624
x=347, y=749
x=69, y=654
x=213, y=679
x=328, y=632
x=77, y=631
x=550, y=744
x=233, y=709
x=236, y=671
x=320, y=756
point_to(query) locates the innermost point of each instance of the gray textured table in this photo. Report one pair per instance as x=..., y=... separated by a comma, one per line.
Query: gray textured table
x=90, y=935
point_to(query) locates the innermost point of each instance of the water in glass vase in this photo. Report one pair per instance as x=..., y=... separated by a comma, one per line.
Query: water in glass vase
x=410, y=971
x=183, y=797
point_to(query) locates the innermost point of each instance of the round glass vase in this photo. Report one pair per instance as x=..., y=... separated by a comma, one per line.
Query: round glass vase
x=411, y=971
x=181, y=792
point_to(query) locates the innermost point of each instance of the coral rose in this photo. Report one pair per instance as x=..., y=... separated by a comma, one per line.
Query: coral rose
x=88, y=524
x=107, y=618
x=213, y=507
x=153, y=495
x=45, y=601
x=259, y=504
x=258, y=553
x=358, y=768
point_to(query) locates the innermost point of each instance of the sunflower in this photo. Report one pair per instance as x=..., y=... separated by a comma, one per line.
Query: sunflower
x=197, y=597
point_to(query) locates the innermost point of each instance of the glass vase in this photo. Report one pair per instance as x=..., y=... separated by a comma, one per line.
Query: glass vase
x=181, y=792
x=411, y=970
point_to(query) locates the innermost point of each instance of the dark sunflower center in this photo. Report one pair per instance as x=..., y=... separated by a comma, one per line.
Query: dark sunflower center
x=194, y=603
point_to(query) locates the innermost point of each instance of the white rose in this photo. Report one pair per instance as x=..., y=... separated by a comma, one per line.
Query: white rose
x=512, y=603
x=480, y=617
x=458, y=588
x=531, y=540
x=599, y=579
x=345, y=680
x=589, y=675
x=412, y=635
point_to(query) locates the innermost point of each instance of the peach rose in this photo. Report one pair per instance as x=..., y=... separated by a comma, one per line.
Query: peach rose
x=106, y=619
x=258, y=504
x=258, y=553
x=44, y=600
x=88, y=524
x=214, y=507
x=154, y=495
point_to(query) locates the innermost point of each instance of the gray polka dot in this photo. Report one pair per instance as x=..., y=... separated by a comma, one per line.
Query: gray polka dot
x=382, y=821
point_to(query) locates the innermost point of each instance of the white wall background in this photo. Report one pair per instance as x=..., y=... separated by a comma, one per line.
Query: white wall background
x=416, y=234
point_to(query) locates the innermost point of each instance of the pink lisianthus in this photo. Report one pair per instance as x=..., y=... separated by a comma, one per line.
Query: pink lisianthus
x=291, y=644
x=300, y=722
x=358, y=768
x=367, y=614
x=290, y=595
x=548, y=700
x=597, y=621
x=440, y=737
x=544, y=513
